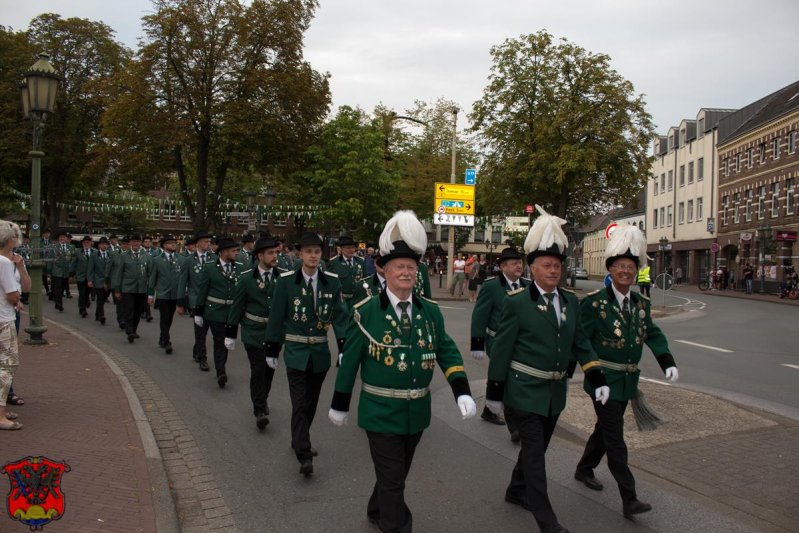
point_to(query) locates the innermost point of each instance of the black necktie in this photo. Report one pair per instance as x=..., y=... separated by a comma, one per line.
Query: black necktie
x=625, y=309
x=266, y=277
x=227, y=268
x=514, y=285
x=136, y=255
x=550, y=296
x=310, y=288
x=405, y=320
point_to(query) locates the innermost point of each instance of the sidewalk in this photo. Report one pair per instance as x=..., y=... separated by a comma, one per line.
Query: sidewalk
x=76, y=410
x=730, y=293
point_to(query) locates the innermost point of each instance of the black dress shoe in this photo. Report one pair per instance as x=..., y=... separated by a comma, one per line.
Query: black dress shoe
x=306, y=467
x=636, y=507
x=589, y=481
x=314, y=452
x=168, y=348
x=131, y=338
x=221, y=380
x=149, y=319
x=557, y=528
x=84, y=314
x=135, y=335
x=488, y=416
x=204, y=365
x=161, y=344
x=515, y=436
x=102, y=321
x=261, y=420
x=515, y=500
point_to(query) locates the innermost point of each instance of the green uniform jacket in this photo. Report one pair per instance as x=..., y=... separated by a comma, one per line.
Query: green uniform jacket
x=99, y=272
x=285, y=261
x=292, y=313
x=486, y=312
x=189, y=280
x=422, y=286
x=528, y=333
x=131, y=274
x=371, y=346
x=251, y=303
x=80, y=264
x=367, y=287
x=154, y=252
x=245, y=258
x=215, y=291
x=617, y=341
x=347, y=276
x=164, y=277
x=62, y=261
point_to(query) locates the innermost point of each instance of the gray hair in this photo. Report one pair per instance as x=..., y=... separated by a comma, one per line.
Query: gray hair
x=10, y=231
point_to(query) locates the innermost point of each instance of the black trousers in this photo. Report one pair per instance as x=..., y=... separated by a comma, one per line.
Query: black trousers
x=58, y=290
x=46, y=281
x=83, y=296
x=167, y=310
x=220, y=352
x=644, y=289
x=392, y=456
x=120, y=313
x=132, y=307
x=260, y=378
x=608, y=438
x=199, y=352
x=99, y=299
x=304, y=388
x=529, y=478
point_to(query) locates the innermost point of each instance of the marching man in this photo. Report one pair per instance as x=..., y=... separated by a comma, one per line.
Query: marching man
x=396, y=339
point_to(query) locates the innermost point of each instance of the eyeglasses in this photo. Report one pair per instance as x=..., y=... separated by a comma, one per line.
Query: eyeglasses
x=625, y=268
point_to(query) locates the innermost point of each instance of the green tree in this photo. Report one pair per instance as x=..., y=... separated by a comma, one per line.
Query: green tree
x=218, y=88
x=346, y=172
x=559, y=127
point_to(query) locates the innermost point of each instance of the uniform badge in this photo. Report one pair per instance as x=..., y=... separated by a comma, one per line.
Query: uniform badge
x=303, y=318
x=261, y=285
x=603, y=315
x=387, y=339
x=420, y=342
x=397, y=342
x=388, y=360
x=642, y=314
x=36, y=498
x=297, y=302
x=617, y=332
x=295, y=317
x=402, y=366
x=595, y=304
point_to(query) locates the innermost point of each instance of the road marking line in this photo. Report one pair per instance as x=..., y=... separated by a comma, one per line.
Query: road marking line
x=457, y=308
x=704, y=346
x=791, y=366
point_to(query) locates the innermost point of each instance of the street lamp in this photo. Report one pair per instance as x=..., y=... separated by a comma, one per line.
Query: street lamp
x=38, y=101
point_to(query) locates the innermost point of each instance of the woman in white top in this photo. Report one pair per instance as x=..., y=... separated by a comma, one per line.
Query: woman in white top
x=10, y=237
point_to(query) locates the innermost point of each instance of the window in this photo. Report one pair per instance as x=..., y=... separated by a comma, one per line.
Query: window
x=671, y=143
x=656, y=186
x=444, y=233
x=663, y=183
x=761, y=202
x=641, y=225
x=655, y=218
x=775, y=199
x=736, y=202
x=725, y=203
x=683, y=137
x=671, y=179
x=750, y=157
x=681, y=213
x=690, y=210
x=170, y=213
x=762, y=153
x=792, y=142
x=738, y=162
x=725, y=167
x=670, y=215
x=700, y=128
x=700, y=209
x=775, y=148
x=789, y=190
x=700, y=169
x=662, y=217
x=748, y=196
x=682, y=175
x=479, y=235
x=690, y=172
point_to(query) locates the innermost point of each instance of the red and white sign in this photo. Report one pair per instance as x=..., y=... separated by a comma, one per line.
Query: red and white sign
x=714, y=247
x=529, y=209
x=610, y=229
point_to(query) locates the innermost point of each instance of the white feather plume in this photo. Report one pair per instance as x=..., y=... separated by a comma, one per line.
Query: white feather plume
x=627, y=237
x=546, y=232
x=403, y=226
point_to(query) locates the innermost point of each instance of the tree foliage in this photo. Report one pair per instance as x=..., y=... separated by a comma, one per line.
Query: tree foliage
x=218, y=87
x=559, y=127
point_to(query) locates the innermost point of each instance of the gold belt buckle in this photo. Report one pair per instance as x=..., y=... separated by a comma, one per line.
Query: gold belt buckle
x=632, y=368
x=311, y=340
x=414, y=394
x=556, y=376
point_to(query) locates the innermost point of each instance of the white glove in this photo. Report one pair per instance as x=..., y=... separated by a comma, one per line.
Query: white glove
x=198, y=320
x=602, y=394
x=467, y=406
x=478, y=354
x=230, y=344
x=495, y=407
x=339, y=418
x=150, y=300
x=271, y=362
x=672, y=374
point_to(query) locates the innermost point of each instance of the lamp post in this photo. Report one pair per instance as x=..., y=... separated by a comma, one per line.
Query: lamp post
x=250, y=196
x=38, y=101
x=664, y=245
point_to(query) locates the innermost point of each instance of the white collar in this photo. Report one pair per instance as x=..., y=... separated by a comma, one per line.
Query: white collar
x=518, y=281
x=306, y=277
x=381, y=279
x=261, y=271
x=620, y=297
x=542, y=291
x=394, y=299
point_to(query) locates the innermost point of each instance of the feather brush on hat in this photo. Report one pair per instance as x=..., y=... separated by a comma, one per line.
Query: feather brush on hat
x=546, y=233
x=626, y=241
x=403, y=226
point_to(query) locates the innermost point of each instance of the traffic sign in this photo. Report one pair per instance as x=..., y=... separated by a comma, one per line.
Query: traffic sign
x=453, y=220
x=471, y=176
x=714, y=247
x=454, y=207
x=452, y=191
x=664, y=282
x=610, y=229
x=529, y=209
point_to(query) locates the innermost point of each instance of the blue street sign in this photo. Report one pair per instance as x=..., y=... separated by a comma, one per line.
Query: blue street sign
x=471, y=176
x=451, y=203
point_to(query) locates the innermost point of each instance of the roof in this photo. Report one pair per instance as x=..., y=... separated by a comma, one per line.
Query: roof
x=759, y=113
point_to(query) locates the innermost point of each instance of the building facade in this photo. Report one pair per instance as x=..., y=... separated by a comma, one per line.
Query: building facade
x=758, y=175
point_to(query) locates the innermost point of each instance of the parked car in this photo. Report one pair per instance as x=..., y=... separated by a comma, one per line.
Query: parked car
x=580, y=273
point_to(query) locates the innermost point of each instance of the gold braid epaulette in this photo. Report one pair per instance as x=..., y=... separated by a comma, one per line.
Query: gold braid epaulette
x=356, y=316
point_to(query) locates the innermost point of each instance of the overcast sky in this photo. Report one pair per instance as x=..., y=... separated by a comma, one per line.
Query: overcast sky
x=682, y=54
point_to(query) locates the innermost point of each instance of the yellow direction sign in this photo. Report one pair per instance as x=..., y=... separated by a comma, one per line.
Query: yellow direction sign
x=452, y=191
x=445, y=206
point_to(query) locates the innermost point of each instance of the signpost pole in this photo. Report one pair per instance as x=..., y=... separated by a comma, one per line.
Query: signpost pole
x=451, y=232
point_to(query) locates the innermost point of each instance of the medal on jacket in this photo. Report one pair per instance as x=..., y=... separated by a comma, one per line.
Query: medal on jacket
x=617, y=332
x=388, y=359
x=402, y=366
x=387, y=338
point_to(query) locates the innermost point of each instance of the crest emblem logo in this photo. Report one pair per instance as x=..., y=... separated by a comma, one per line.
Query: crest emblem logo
x=35, y=498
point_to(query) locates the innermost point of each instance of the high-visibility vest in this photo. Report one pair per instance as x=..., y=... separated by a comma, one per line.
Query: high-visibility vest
x=643, y=275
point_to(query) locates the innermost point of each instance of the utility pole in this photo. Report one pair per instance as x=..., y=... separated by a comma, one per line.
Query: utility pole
x=451, y=233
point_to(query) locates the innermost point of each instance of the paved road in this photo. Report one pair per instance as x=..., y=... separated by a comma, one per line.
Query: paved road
x=459, y=474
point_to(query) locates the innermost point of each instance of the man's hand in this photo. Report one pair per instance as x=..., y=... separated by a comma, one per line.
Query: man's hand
x=230, y=344
x=339, y=418
x=198, y=321
x=150, y=300
x=118, y=296
x=495, y=407
x=90, y=284
x=467, y=406
x=672, y=374
x=180, y=310
x=602, y=394
x=478, y=354
x=271, y=362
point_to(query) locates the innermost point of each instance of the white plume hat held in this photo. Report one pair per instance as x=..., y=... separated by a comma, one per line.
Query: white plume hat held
x=403, y=236
x=546, y=237
x=626, y=241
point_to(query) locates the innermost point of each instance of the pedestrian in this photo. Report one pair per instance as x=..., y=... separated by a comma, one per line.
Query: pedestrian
x=97, y=277
x=65, y=286
x=678, y=275
x=45, y=243
x=459, y=276
x=438, y=264
x=473, y=280
x=395, y=340
x=486, y=314
x=370, y=285
x=162, y=288
x=306, y=303
x=188, y=285
x=61, y=256
x=252, y=300
x=749, y=275
x=422, y=285
x=215, y=288
x=116, y=262
x=113, y=243
x=618, y=324
x=369, y=262
x=130, y=285
x=538, y=336
x=23, y=281
x=189, y=245
x=10, y=237
x=348, y=267
x=644, y=279
x=81, y=269
x=152, y=252
x=245, y=252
